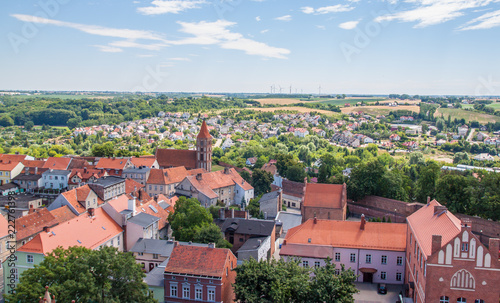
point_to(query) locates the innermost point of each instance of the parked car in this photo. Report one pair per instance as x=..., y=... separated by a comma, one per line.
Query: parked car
x=382, y=289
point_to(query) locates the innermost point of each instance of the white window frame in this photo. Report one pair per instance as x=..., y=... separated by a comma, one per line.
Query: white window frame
x=174, y=290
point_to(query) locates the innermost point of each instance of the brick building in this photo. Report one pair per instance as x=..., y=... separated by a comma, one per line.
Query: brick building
x=446, y=262
x=237, y=231
x=200, y=274
x=324, y=201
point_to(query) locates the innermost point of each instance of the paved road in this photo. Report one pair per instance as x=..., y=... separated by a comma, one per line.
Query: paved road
x=368, y=293
x=218, y=143
x=471, y=134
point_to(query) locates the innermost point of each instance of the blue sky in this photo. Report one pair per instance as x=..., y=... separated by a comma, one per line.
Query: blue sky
x=344, y=46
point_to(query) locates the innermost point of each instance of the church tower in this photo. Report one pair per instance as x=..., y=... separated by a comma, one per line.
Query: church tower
x=204, y=148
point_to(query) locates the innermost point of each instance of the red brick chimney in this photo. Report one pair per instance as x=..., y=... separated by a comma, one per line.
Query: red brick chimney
x=439, y=208
x=31, y=210
x=436, y=243
x=91, y=212
x=315, y=220
x=494, y=246
x=428, y=199
x=363, y=222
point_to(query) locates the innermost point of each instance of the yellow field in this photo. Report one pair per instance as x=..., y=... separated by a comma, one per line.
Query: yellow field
x=400, y=101
x=379, y=110
x=295, y=108
x=280, y=101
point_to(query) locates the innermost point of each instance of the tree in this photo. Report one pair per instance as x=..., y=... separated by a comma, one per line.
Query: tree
x=416, y=158
x=427, y=180
x=254, y=208
x=84, y=275
x=365, y=179
x=211, y=234
x=261, y=181
x=103, y=150
x=28, y=125
x=296, y=173
x=451, y=192
x=188, y=218
x=440, y=124
x=327, y=286
x=6, y=120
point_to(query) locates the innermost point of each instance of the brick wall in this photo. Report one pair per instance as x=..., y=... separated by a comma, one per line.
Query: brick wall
x=357, y=210
x=484, y=229
x=400, y=207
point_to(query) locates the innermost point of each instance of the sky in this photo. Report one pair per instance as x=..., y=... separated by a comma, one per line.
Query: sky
x=425, y=47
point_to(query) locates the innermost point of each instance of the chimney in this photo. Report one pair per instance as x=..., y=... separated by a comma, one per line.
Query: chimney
x=280, y=199
x=85, y=170
x=91, y=212
x=222, y=213
x=232, y=213
x=131, y=206
x=36, y=170
x=363, y=222
x=436, y=243
x=284, y=242
x=31, y=210
x=265, y=215
x=439, y=208
x=260, y=242
x=315, y=220
x=198, y=176
x=211, y=245
x=46, y=229
x=494, y=246
x=428, y=199
x=226, y=170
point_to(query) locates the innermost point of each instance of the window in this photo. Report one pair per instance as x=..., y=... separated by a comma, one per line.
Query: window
x=55, y=178
x=211, y=295
x=399, y=261
x=465, y=246
x=305, y=263
x=479, y=301
x=444, y=299
x=337, y=271
x=337, y=257
x=185, y=292
x=368, y=259
x=29, y=258
x=198, y=294
x=140, y=254
x=317, y=264
x=398, y=276
x=383, y=260
x=118, y=241
x=112, y=242
x=150, y=187
x=461, y=300
x=156, y=187
x=173, y=290
x=353, y=258
x=161, y=188
x=383, y=275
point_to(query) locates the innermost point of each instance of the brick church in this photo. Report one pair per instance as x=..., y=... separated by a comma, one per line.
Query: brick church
x=190, y=159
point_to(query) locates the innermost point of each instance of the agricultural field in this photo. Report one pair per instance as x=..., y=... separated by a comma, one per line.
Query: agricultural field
x=279, y=101
x=296, y=109
x=495, y=106
x=352, y=101
x=379, y=110
x=467, y=115
x=62, y=96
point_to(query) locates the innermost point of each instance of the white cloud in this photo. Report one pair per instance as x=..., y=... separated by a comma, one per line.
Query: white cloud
x=257, y=18
x=349, y=24
x=93, y=29
x=284, y=18
x=338, y=8
x=485, y=21
x=179, y=59
x=109, y=49
x=208, y=33
x=169, y=6
x=264, y=31
x=321, y=27
x=432, y=12
x=145, y=56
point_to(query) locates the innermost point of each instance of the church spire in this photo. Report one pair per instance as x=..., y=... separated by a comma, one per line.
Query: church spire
x=204, y=133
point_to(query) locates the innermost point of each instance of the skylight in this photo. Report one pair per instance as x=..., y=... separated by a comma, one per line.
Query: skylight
x=153, y=208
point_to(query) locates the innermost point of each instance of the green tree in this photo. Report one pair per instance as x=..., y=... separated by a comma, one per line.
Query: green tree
x=254, y=208
x=6, y=120
x=296, y=173
x=211, y=234
x=188, y=218
x=427, y=180
x=451, y=190
x=28, y=125
x=103, y=150
x=326, y=286
x=84, y=275
x=365, y=179
x=261, y=181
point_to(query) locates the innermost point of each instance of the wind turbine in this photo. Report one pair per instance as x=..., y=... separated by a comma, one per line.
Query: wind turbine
x=280, y=88
x=319, y=90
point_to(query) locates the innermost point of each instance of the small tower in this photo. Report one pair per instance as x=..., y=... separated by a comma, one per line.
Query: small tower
x=204, y=148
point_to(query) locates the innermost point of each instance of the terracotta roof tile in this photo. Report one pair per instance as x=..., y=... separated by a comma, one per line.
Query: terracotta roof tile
x=57, y=163
x=324, y=195
x=112, y=163
x=8, y=165
x=204, y=133
x=170, y=175
x=63, y=214
x=137, y=162
x=132, y=186
x=217, y=179
x=14, y=158
x=270, y=168
x=78, y=163
x=86, y=231
x=176, y=157
x=152, y=208
x=34, y=223
x=78, y=195
x=424, y=223
x=376, y=235
x=194, y=260
x=119, y=203
x=33, y=163
x=170, y=201
x=86, y=174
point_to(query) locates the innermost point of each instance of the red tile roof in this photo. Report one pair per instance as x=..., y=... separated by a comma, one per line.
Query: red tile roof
x=176, y=157
x=204, y=133
x=132, y=186
x=217, y=179
x=270, y=168
x=324, y=195
x=425, y=222
x=86, y=174
x=63, y=214
x=201, y=261
x=86, y=231
x=14, y=158
x=57, y=163
x=76, y=197
x=142, y=161
x=33, y=163
x=119, y=203
x=152, y=208
x=8, y=165
x=169, y=201
x=170, y=175
x=347, y=234
x=34, y=223
x=112, y=163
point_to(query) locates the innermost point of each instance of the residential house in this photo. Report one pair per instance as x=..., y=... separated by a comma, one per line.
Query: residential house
x=273, y=170
x=410, y=144
x=9, y=169
x=463, y=130
x=237, y=231
x=29, y=182
x=195, y=274
x=79, y=200
x=92, y=230
x=256, y=248
x=270, y=204
x=164, y=181
x=324, y=201
x=482, y=136
x=19, y=205
x=394, y=137
x=56, y=179
x=142, y=225
x=82, y=176
x=147, y=161
x=9, y=189
x=57, y=163
x=446, y=262
x=139, y=174
x=484, y=157
x=114, y=166
x=226, y=186
x=227, y=144
x=300, y=132
x=108, y=187
x=27, y=227
x=251, y=161
x=293, y=193
x=375, y=251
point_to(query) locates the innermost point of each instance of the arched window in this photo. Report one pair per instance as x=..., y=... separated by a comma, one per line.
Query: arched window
x=461, y=300
x=444, y=299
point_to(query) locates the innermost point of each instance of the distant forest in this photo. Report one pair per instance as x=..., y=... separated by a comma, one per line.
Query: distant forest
x=88, y=112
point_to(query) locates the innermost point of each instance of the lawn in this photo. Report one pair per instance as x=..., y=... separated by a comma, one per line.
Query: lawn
x=495, y=106
x=467, y=115
x=217, y=167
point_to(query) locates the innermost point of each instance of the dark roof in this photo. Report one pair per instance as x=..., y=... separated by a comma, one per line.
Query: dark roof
x=249, y=227
x=176, y=157
x=140, y=170
x=156, y=276
x=8, y=186
x=19, y=198
x=252, y=244
x=292, y=188
x=27, y=177
x=269, y=196
x=143, y=219
x=108, y=181
x=289, y=220
x=56, y=172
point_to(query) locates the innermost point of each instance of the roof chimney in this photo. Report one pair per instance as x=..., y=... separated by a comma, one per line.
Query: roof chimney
x=222, y=213
x=232, y=212
x=315, y=220
x=46, y=229
x=91, y=212
x=131, y=206
x=428, y=199
x=226, y=170
x=198, y=176
x=436, y=243
x=363, y=222
x=211, y=245
x=31, y=210
x=439, y=209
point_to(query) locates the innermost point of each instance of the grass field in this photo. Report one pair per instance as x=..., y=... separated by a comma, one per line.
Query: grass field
x=338, y=102
x=495, y=106
x=379, y=110
x=296, y=108
x=341, y=102
x=39, y=127
x=467, y=115
x=217, y=167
